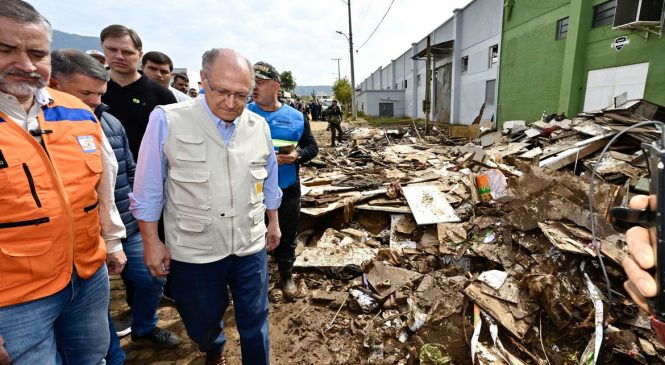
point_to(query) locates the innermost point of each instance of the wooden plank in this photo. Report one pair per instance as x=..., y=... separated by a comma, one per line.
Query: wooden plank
x=352, y=197
x=385, y=208
x=569, y=156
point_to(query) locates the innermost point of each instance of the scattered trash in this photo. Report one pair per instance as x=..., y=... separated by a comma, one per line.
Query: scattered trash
x=394, y=223
x=430, y=354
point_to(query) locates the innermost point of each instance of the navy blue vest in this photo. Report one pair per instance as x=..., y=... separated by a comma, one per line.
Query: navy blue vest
x=117, y=137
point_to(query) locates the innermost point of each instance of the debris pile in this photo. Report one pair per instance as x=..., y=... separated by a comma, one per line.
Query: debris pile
x=444, y=249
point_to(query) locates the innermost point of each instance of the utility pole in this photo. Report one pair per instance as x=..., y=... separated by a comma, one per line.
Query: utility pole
x=353, y=77
x=337, y=59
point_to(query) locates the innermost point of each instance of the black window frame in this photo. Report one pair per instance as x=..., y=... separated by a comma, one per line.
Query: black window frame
x=405, y=84
x=562, y=33
x=465, y=63
x=603, y=14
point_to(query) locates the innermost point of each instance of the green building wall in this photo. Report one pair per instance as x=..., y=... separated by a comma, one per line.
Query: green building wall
x=539, y=73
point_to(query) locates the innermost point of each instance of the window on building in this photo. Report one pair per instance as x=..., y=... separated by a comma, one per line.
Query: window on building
x=562, y=28
x=465, y=63
x=419, y=80
x=405, y=84
x=395, y=87
x=494, y=55
x=603, y=14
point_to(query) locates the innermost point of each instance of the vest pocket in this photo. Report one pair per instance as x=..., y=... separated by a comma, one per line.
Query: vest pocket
x=192, y=232
x=191, y=188
x=190, y=148
x=258, y=176
x=94, y=164
x=257, y=227
x=17, y=259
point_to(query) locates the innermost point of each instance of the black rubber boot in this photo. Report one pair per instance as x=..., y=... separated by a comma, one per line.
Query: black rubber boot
x=289, y=289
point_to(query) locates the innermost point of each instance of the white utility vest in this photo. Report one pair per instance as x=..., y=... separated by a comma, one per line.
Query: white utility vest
x=214, y=192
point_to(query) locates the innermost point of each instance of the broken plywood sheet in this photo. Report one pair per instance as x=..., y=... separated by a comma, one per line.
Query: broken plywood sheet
x=501, y=311
x=386, y=279
x=507, y=150
x=401, y=228
x=335, y=257
x=464, y=131
x=559, y=237
x=571, y=155
x=508, y=291
x=532, y=153
x=451, y=232
x=488, y=139
x=577, y=240
x=428, y=205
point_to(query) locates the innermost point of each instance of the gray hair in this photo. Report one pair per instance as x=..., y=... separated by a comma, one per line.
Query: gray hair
x=210, y=56
x=69, y=62
x=24, y=13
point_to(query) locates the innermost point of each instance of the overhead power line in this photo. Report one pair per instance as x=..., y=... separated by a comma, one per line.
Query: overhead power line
x=377, y=26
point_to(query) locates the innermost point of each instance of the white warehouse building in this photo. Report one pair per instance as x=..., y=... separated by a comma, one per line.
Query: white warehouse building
x=465, y=57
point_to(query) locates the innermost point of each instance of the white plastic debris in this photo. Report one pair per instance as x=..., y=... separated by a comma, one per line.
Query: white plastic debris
x=593, y=348
x=493, y=278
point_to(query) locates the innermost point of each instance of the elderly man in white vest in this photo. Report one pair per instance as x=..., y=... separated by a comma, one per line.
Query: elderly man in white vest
x=209, y=163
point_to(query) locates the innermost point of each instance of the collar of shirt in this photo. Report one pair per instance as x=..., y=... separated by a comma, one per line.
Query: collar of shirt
x=10, y=105
x=218, y=121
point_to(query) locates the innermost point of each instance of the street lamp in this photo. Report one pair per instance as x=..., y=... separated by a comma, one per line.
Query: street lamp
x=353, y=78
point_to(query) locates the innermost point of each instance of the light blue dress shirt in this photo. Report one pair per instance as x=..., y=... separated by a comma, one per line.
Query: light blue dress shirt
x=147, y=200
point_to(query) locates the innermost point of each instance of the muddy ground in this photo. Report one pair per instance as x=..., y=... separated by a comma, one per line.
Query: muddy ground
x=305, y=331
x=299, y=330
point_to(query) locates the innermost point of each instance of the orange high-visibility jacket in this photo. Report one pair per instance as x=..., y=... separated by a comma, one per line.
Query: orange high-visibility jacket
x=49, y=220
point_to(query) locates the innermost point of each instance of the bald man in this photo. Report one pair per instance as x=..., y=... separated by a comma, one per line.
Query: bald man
x=209, y=163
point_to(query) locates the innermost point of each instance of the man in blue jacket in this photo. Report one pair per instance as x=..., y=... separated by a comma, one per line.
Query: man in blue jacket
x=79, y=74
x=294, y=145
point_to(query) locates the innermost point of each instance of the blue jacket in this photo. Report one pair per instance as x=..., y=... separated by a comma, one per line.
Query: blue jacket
x=287, y=126
x=126, y=166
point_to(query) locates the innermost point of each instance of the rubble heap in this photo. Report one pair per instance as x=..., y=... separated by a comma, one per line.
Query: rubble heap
x=411, y=261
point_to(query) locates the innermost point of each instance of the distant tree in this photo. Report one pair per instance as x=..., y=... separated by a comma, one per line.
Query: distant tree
x=342, y=91
x=288, y=81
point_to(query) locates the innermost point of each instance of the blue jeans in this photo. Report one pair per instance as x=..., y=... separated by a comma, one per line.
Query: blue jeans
x=115, y=356
x=74, y=319
x=147, y=290
x=201, y=297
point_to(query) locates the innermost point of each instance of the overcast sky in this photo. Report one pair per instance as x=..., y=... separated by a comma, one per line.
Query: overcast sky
x=295, y=35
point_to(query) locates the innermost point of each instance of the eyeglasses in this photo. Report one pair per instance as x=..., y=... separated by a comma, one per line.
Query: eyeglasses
x=225, y=94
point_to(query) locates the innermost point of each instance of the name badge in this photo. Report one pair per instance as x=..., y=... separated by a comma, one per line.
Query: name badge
x=87, y=144
x=259, y=187
x=257, y=163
